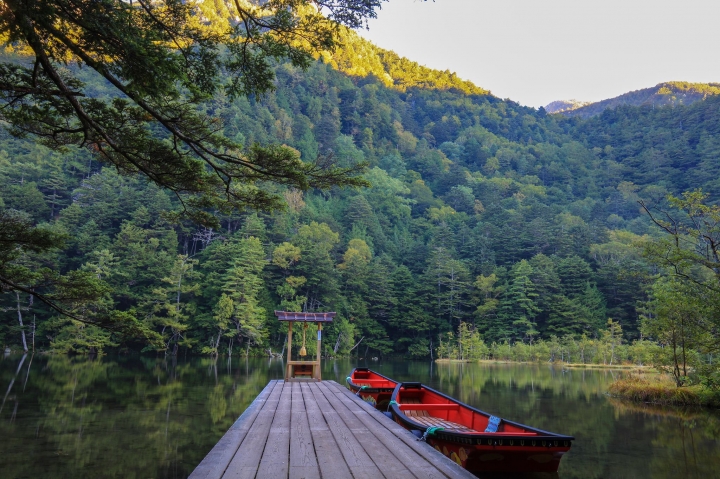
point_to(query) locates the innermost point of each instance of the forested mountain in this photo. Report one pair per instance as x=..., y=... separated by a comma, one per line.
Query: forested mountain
x=481, y=212
x=663, y=94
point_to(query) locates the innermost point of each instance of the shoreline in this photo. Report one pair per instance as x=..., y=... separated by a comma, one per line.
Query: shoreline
x=661, y=391
x=644, y=368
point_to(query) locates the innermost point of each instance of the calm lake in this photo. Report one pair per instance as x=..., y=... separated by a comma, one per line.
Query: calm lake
x=142, y=417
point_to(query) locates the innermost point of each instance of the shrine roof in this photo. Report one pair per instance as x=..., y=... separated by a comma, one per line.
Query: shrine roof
x=309, y=317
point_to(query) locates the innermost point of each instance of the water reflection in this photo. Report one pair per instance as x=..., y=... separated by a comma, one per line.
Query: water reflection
x=154, y=417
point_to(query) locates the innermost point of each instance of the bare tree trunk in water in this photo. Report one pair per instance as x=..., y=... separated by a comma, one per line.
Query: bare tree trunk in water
x=22, y=326
x=217, y=345
x=337, y=344
x=22, y=360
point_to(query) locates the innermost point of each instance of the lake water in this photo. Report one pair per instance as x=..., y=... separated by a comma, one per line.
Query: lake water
x=143, y=417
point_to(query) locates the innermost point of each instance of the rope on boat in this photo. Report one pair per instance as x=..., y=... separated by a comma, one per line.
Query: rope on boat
x=390, y=404
x=430, y=432
x=348, y=379
x=360, y=390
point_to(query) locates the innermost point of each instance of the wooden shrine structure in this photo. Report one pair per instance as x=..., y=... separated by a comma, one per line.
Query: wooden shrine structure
x=302, y=369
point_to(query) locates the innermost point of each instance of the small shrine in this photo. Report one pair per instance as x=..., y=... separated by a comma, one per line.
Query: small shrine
x=301, y=368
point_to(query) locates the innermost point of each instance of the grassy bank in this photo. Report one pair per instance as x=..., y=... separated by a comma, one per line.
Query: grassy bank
x=556, y=363
x=608, y=366
x=660, y=389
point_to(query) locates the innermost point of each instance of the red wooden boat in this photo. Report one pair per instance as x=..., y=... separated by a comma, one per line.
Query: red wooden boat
x=476, y=440
x=372, y=387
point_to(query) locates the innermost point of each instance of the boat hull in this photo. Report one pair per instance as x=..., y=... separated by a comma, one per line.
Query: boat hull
x=458, y=431
x=479, y=459
x=371, y=387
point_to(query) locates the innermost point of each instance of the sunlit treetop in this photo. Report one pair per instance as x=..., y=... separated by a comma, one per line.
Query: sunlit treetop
x=163, y=59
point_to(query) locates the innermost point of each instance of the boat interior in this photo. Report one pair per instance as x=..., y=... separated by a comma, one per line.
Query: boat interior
x=434, y=410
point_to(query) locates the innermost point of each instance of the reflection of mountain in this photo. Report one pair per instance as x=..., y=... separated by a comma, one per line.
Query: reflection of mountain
x=610, y=441
x=141, y=417
x=662, y=94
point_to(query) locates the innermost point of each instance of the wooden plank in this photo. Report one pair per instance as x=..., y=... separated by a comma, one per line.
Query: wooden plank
x=357, y=460
x=329, y=457
x=246, y=461
x=214, y=464
x=443, y=464
x=319, y=429
x=303, y=463
x=381, y=456
x=275, y=461
x=404, y=455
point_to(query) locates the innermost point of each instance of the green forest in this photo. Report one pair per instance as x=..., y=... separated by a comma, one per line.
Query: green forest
x=481, y=222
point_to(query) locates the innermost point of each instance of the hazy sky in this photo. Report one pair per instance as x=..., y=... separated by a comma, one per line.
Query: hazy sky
x=537, y=51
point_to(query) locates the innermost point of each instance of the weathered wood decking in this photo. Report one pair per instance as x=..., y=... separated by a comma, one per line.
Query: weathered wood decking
x=320, y=430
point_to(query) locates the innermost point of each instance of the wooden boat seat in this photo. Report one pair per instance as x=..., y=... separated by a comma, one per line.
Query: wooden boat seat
x=431, y=421
x=423, y=417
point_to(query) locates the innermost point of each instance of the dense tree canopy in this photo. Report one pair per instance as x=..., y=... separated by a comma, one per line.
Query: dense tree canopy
x=488, y=228
x=155, y=69
x=160, y=65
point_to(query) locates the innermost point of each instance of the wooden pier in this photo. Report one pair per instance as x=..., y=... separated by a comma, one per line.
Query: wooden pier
x=320, y=430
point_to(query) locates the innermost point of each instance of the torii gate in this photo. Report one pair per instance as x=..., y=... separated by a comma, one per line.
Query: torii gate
x=305, y=369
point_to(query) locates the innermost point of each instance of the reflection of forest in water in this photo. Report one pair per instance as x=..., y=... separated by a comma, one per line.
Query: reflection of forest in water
x=147, y=417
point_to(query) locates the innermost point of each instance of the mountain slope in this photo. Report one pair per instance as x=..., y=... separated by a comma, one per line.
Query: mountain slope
x=662, y=94
x=477, y=205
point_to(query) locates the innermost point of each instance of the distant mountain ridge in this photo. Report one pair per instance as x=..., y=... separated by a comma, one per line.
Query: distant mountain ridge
x=562, y=106
x=667, y=93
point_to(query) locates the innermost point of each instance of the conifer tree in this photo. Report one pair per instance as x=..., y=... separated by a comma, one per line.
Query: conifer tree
x=517, y=310
x=242, y=284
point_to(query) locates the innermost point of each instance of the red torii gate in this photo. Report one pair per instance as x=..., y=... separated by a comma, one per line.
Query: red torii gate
x=306, y=369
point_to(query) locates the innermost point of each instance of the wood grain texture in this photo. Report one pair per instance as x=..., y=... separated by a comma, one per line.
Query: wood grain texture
x=329, y=457
x=275, y=461
x=303, y=462
x=403, y=456
x=319, y=430
x=352, y=451
x=246, y=461
x=441, y=463
x=214, y=464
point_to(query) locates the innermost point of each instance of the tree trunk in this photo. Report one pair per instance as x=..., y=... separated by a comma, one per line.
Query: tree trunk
x=217, y=345
x=20, y=320
x=337, y=344
x=358, y=344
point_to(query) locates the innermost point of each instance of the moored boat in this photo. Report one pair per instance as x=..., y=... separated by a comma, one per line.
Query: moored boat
x=476, y=440
x=371, y=386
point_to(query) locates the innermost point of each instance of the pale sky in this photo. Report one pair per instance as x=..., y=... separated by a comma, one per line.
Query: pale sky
x=538, y=51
